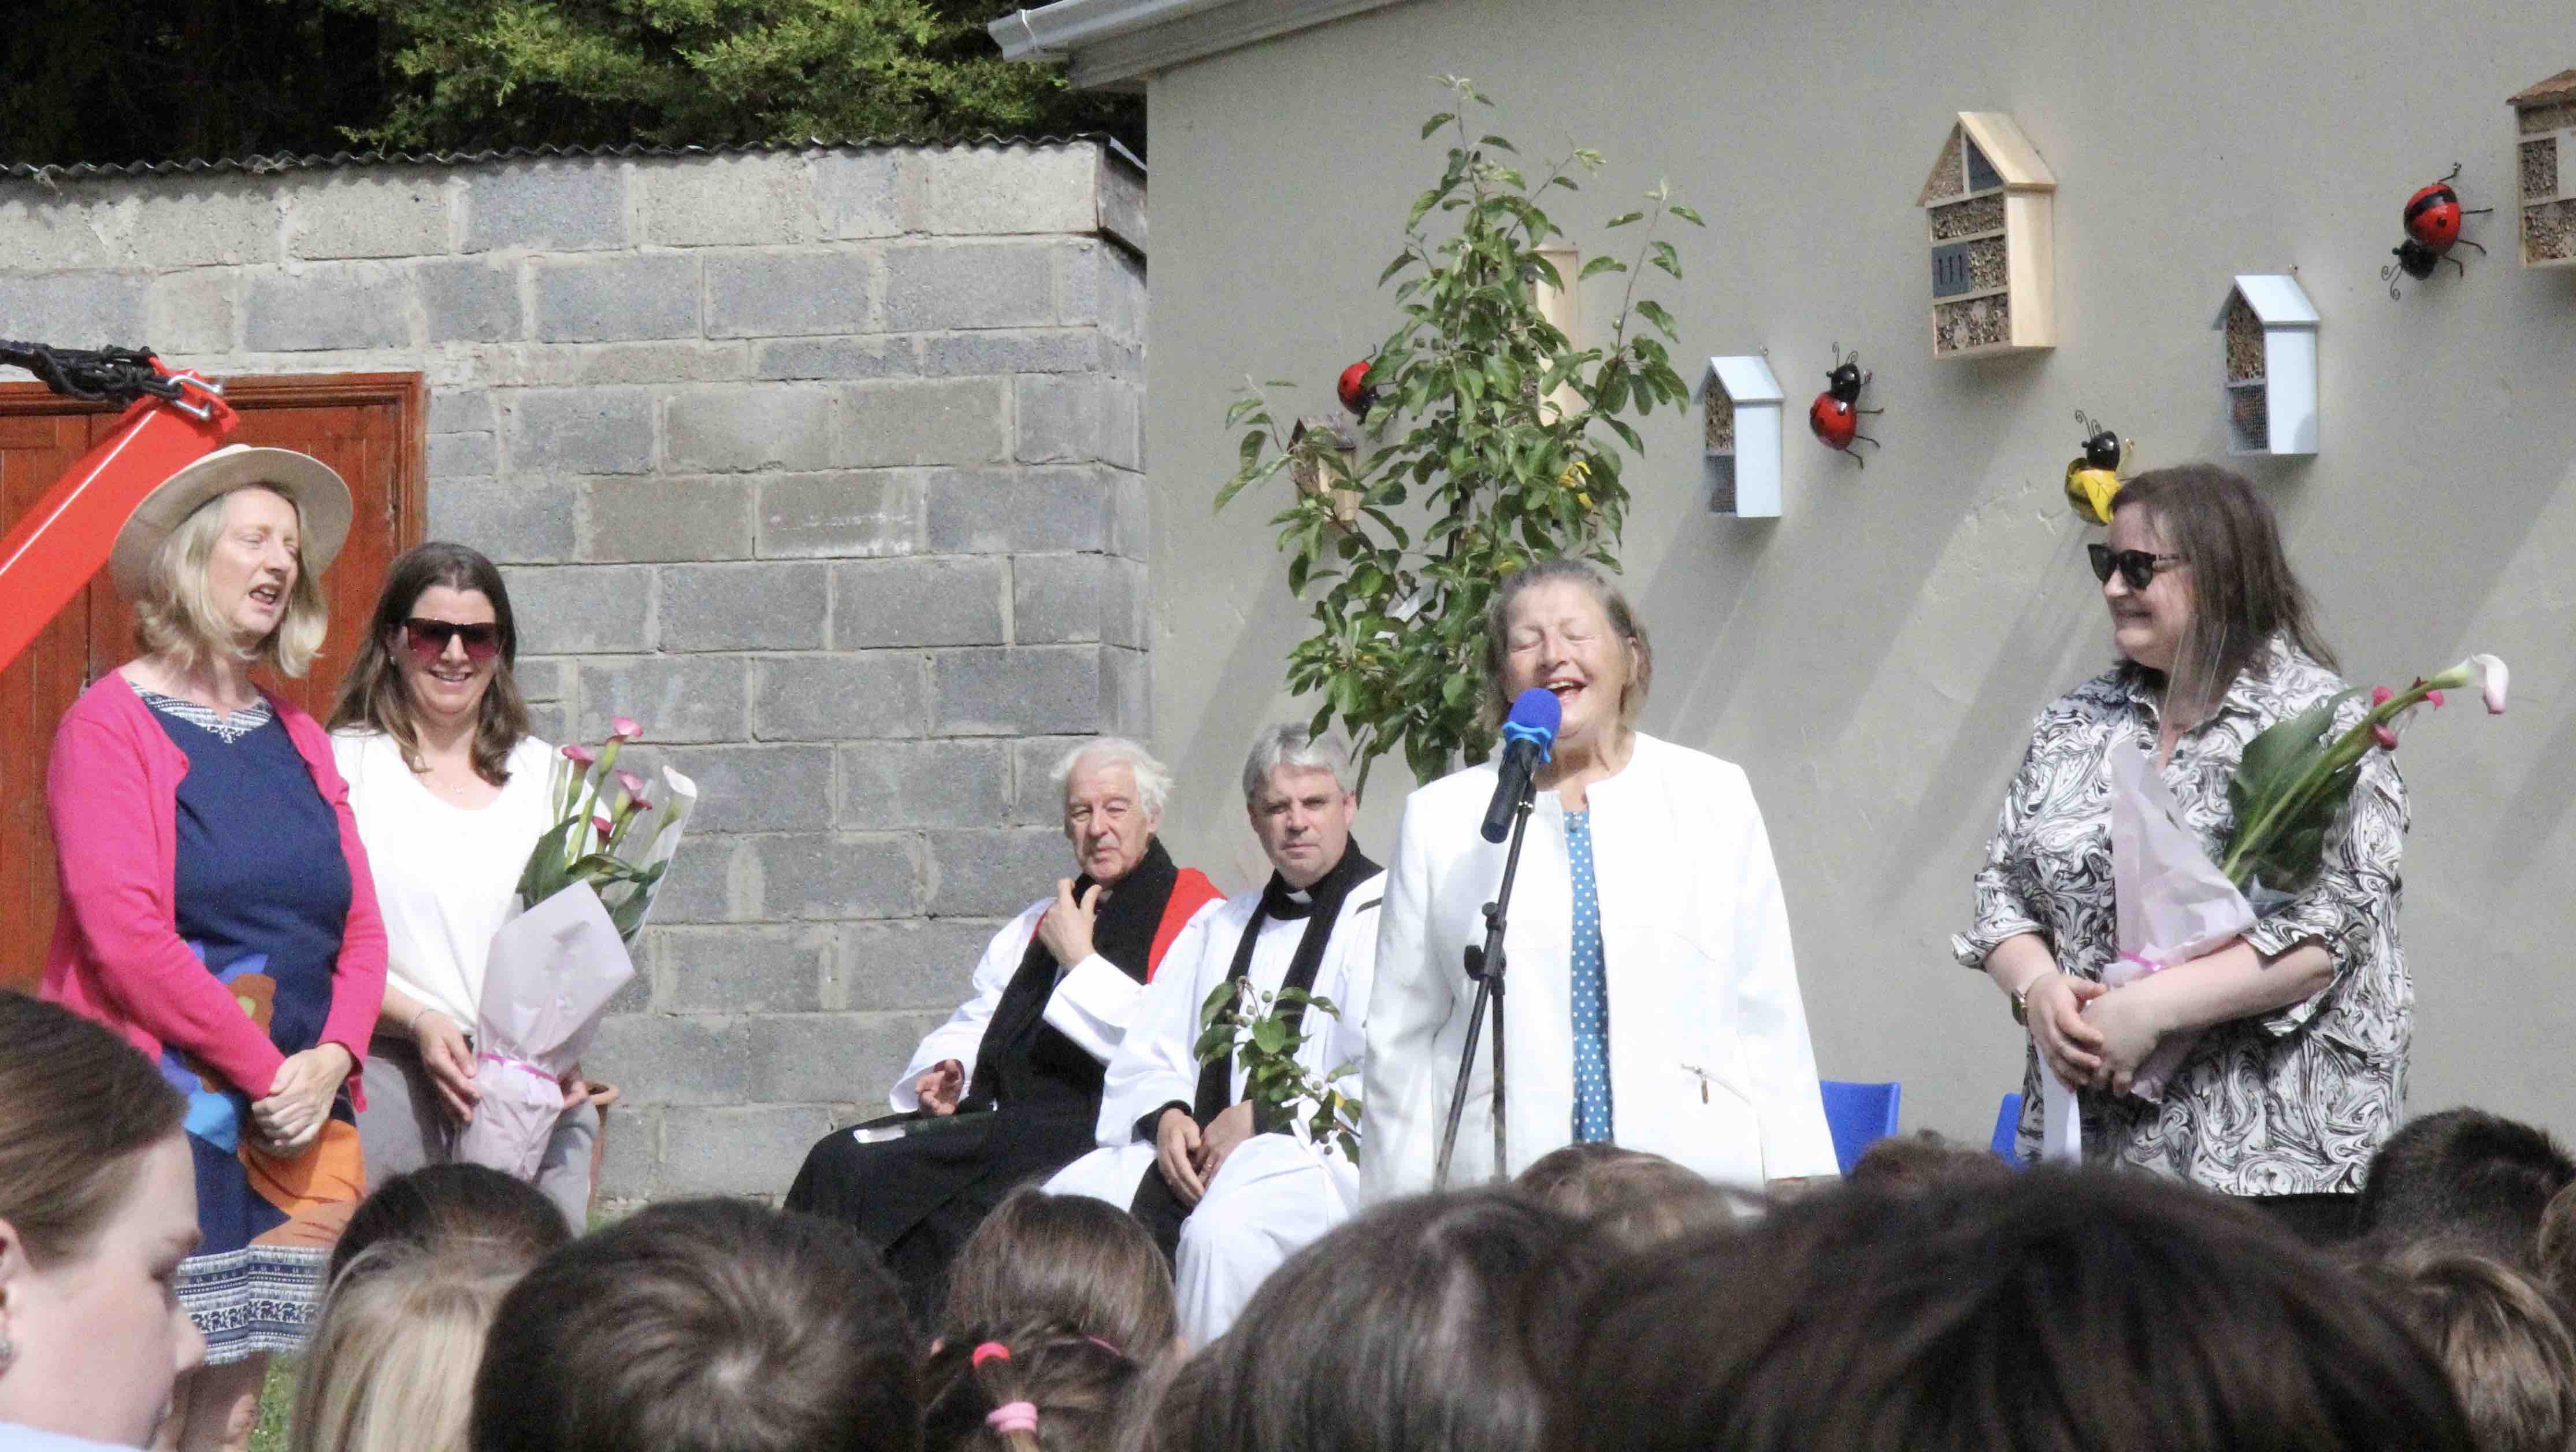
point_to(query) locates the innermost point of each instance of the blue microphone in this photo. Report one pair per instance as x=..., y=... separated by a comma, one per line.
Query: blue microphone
x=1528, y=735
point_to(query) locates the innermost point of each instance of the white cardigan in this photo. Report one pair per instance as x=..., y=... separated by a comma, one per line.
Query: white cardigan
x=1710, y=1062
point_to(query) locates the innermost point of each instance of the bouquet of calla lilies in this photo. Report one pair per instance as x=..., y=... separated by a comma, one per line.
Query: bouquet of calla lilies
x=2292, y=781
x=611, y=831
x=583, y=897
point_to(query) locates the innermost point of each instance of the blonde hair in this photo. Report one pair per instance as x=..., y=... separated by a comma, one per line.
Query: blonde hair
x=392, y=1362
x=176, y=615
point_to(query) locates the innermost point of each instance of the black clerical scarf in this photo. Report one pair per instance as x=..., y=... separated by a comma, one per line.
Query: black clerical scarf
x=1123, y=932
x=1321, y=909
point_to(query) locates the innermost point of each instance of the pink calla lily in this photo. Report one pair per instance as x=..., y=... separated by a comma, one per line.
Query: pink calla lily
x=603, y=826
x=625, y=729
x=2385, y=735
x=633, y=784
x=579, y=755
x=2485, y=672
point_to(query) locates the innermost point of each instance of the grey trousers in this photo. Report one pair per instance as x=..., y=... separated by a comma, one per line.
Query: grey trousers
x=405, y=1127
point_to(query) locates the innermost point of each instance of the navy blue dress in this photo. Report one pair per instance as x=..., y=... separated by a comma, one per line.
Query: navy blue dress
x=262, y=894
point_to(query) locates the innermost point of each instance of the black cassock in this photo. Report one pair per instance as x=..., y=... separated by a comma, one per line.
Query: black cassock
x=1030, y=1110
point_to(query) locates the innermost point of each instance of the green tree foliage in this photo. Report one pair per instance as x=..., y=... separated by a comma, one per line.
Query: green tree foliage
x=117, y=83
x=1466, y=388
x=706, y=72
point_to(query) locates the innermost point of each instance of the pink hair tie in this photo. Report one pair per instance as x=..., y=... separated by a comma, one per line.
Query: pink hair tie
x=1012, y=1417
x=989, y=1351
x=1109, y=1346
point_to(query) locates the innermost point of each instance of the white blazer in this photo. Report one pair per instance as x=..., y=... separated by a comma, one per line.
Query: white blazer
x=1710, y=1062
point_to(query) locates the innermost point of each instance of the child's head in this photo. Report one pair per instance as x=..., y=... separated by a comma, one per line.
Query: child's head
x=1912, y=1162
x=1630, y=1197
x=2507, y=1351
x=1067, y=1260
x=2111, y=1312
x=1047, y=1388
x=445, y=1205
x=2467, y=1178
x=1401, y=1331
x=392, y=1361
x=702, y=1326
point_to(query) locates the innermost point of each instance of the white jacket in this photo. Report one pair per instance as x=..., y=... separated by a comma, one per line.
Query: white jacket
x=1710, y=1062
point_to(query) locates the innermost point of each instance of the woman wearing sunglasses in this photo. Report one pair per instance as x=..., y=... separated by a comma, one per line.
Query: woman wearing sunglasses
x=450, y=791
x=2303, y=1023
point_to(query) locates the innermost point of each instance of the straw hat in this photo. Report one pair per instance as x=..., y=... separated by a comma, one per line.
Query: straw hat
x=320, y=495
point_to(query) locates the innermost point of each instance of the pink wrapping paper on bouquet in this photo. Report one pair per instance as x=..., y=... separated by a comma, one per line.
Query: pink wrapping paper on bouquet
x=2173, y=905
x=552, y=971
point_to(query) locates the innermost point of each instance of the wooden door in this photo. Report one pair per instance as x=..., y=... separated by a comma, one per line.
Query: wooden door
x=372, y=427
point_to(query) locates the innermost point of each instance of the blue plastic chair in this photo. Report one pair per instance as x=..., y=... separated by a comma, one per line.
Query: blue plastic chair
x=2008, y=1130
x=1859, y=1115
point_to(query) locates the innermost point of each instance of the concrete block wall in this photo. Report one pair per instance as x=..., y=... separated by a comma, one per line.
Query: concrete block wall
x=825, y=465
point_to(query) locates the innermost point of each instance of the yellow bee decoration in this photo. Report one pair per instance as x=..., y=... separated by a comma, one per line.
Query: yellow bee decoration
x=2093, y=477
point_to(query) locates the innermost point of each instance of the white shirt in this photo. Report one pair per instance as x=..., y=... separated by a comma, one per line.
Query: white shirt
x=1158, y=1063
x=1710, y=1063
x=1093, y=1003
x=15, y=1438
x=447, y=877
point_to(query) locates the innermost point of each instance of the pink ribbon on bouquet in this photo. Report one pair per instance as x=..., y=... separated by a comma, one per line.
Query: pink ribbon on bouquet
x=505, y=1061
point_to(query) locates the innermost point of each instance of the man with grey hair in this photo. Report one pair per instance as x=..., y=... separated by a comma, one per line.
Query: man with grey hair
x=1009, y=1089
x=1232, y=1188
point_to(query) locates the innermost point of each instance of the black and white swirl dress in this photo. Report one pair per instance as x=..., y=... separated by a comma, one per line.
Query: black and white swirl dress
x=2291, y=1102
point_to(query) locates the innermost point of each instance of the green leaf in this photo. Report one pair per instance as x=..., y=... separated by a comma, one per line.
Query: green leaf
x=1687, y=215
x=1667, y=258
x=1653, y=312
x=1436, y=122
x=1599, y=265
x=1624, y=218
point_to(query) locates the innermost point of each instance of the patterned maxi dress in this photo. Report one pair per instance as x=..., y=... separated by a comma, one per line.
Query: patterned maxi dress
x=262, y=892
x=2291, y=1102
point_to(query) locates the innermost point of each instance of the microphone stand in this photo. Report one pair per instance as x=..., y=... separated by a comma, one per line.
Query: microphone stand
x=1485, y=965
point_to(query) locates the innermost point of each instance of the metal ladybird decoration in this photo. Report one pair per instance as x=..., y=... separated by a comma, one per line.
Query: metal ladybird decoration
x=1354, y=390
x=2432, y=228
x=1835, y=415
x=2093, y=478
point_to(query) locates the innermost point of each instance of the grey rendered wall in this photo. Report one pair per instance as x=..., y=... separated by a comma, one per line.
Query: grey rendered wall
x=822, y=464
x=1874, y=657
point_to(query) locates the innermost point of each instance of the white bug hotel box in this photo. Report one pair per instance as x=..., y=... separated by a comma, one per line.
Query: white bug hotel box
x=1740, y=402
x=2545, y=152
x=2270, y=331
x=1989, y=205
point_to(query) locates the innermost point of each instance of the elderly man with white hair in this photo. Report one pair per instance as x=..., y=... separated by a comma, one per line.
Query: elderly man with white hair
x=1229, y=1187
x=1008, y=1090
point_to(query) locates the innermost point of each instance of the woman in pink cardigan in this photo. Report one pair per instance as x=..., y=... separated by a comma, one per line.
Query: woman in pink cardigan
x=217, y=909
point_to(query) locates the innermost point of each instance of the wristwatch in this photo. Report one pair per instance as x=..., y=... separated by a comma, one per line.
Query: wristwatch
x=2021, y=1000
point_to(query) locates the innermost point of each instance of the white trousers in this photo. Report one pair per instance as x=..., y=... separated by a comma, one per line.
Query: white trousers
x=1271, y=1198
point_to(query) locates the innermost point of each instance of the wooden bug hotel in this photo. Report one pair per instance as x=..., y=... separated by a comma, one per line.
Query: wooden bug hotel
x=2270, y=333
x=2545, y=148
x=1989, y=204
x=1740, y=403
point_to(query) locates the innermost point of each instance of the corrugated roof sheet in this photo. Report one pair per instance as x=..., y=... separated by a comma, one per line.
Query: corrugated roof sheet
x=255, y=165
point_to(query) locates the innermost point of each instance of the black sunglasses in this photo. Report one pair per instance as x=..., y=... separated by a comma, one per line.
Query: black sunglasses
x=2136, y=567
x=429, y=638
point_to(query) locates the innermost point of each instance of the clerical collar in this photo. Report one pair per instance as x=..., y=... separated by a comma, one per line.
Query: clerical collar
x=1282, y=903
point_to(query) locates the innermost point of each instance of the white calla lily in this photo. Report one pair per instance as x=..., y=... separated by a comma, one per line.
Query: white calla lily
x=2486, y=672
